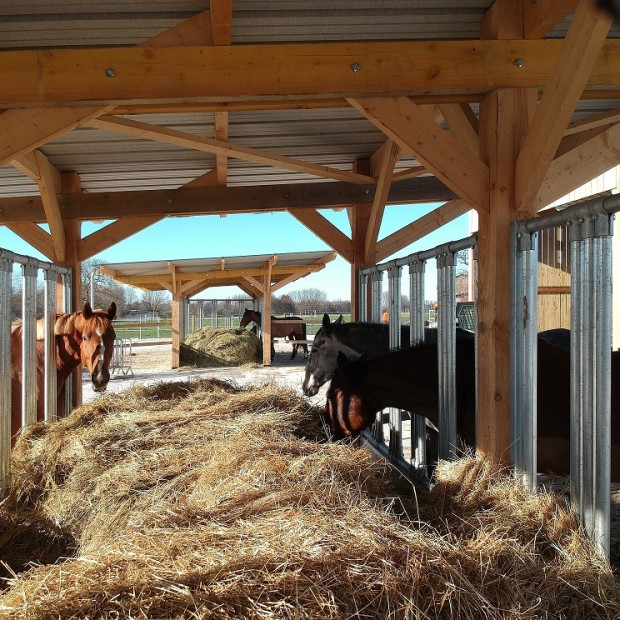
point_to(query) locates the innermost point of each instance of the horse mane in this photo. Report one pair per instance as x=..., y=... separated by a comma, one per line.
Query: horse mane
x=70, y=323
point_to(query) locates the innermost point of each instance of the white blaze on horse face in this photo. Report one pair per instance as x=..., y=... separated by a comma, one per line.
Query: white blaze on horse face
x=101, y=356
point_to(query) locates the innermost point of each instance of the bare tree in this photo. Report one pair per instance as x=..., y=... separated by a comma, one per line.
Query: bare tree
x=155, y=302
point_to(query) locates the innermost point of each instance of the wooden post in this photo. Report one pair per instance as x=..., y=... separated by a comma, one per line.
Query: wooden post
x=504, y=118
x=266, y=315
x=359, y=218
x=176, y=317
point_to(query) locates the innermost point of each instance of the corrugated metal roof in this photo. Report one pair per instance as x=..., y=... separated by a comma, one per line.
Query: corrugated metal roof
x=334, y=137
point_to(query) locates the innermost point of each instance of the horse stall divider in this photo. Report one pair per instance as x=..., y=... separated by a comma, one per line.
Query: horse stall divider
x=31, y=268
x=414, y=468
x=590, y=227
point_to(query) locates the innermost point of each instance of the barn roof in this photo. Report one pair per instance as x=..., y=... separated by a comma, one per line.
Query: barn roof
x=198, y=274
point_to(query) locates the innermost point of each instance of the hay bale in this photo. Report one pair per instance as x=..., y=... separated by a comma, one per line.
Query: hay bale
x=207, y=500
x=212, y=347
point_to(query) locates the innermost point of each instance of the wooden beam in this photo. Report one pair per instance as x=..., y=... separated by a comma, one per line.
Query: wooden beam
x=404, y=122
x=420, y=228
x=254, y=288
x=113, y=233
x=579, y=166
x=217, y=200
x=463, y=124
x=592, y=122
x=384, y=173
x=36, y=237
x=51, y=77
x=49, y=184
x=22, y=131
x=540, y=16
x=147, y=131
x=581, y=48
x=326, y=231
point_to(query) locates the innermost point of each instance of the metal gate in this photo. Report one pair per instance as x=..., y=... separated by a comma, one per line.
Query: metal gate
x=590, y=233
x=414, y=466
x=32, y=269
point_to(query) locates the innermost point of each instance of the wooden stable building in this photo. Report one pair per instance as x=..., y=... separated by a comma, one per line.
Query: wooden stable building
x=131, y=114
x=259, y=276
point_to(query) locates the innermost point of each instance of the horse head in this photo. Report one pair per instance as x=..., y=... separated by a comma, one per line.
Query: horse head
x=347, y=409
x=246, y=318
x=96, y=341
x=322, y=360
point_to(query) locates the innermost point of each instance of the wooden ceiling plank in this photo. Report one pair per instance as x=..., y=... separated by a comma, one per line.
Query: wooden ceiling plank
x=252, y=72
x=36, y=237
x=113, y=233
x=49, y=184
x=580, y=50
x=325, y=231
x=147, y=131
x=218, y=200
x=416, y=133
x=24, y=130
x=463, y=124
x=384, y=180
x=421, y=227
x=579, y=166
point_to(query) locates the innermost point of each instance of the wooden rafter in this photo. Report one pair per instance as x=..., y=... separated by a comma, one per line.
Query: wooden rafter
x=421, y=227
x=137, y=129
x=580, y=165
x=580, y=50
x=326, y=231
x=384, y=170
x=416, y=133
x=463, y=124
x=35, y=236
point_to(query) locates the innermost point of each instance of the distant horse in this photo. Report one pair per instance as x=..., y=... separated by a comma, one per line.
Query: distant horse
x=408, y=379
x=291, y=327
x=353, y=339
x=86, y=337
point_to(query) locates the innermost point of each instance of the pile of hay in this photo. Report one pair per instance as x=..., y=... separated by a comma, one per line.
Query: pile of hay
x=212, y=347
x=204, y=500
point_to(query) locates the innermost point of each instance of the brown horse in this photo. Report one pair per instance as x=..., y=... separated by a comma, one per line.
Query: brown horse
x=86, y=337
x=408, y=379
x=291, y=327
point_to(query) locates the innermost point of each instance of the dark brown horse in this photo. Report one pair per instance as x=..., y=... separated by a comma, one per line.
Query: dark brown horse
x=408, y=379
x=291, y=327
x=85, y=337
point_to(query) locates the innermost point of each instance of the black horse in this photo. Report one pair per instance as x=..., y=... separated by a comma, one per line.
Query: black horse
x=354, y=340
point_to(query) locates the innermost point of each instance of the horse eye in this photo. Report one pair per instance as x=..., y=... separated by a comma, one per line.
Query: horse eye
x=85, y=337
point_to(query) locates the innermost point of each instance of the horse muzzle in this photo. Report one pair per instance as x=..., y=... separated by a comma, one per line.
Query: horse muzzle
x=100, y=381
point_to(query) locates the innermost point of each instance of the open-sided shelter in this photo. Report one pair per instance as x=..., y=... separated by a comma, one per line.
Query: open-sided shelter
x=133, y=112
x=259, y=276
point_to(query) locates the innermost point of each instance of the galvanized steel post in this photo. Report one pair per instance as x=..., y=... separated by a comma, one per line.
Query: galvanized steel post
x=50, y=384
x=446, y=343
x=6, y=272
x=523, y=347
x=416, y=336
x=29, y=342
x=376, y=279
x=396, y=424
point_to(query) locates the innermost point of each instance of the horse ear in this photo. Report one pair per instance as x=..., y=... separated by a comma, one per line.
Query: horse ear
x=112, y=311
x=326, y=322
x=87, y=311
x=339, y=320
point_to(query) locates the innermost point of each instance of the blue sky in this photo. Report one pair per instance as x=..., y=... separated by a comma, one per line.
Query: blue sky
x=247, y=234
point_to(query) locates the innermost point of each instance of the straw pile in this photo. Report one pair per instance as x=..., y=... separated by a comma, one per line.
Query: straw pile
x=212, y=347
x=205, y=500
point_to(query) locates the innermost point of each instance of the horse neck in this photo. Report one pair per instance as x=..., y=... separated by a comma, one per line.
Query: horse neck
x=392, y=381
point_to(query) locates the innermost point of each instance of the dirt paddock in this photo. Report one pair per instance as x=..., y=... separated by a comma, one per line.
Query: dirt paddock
x=152, y=363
